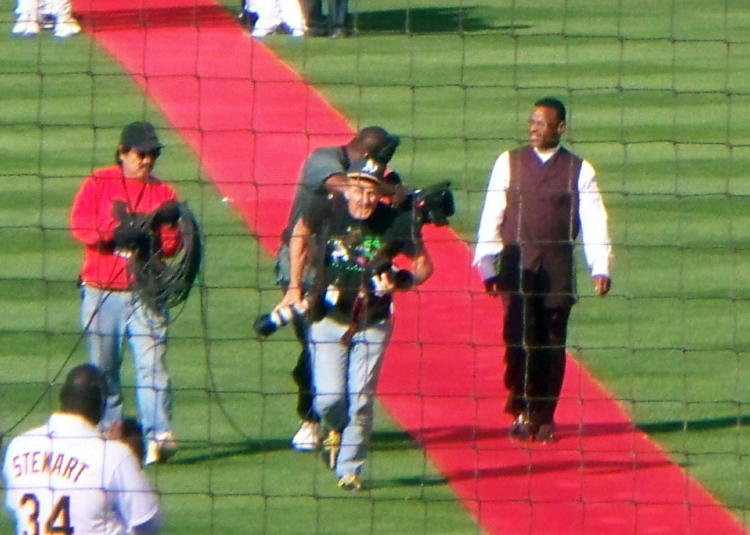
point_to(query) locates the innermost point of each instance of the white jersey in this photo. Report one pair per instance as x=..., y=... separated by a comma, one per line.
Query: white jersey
x=65, y=477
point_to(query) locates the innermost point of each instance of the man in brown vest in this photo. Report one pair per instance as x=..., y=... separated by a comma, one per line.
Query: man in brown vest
x=538, y=199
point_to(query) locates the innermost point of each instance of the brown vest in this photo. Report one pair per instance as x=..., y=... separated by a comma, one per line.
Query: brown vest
x=541, y=221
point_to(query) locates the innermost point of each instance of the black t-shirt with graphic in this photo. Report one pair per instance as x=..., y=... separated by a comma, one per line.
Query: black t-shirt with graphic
x=344, y=251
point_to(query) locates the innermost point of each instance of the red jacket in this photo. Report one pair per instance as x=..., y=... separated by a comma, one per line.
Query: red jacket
x=93, y=223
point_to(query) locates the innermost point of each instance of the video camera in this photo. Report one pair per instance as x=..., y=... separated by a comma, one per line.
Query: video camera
x=433, y=204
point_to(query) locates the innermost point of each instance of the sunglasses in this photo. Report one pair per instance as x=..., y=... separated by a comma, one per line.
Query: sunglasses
x=154, y=154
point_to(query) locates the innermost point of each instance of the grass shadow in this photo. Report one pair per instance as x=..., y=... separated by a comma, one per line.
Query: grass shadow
x=707, y=424
x=429, y=20
x=199, y=452
x=414, y=481
x=393, y=440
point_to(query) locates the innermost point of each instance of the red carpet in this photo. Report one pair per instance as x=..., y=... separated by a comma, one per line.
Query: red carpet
x=251, y=121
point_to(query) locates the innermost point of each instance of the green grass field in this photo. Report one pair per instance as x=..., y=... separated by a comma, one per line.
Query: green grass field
x=658, y=95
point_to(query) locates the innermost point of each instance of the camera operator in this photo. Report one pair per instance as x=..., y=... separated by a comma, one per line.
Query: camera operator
x=356, y=238
x=324, y=173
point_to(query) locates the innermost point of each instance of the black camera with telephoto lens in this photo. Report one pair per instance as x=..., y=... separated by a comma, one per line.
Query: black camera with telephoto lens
x=402, y=279
x=267, y=324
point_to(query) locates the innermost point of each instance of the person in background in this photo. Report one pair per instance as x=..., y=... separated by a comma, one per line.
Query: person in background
x=34, y=15
x=274, y=15
x=334, y=25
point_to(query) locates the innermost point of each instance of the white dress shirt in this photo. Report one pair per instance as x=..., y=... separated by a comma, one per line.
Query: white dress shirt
x=593, y=217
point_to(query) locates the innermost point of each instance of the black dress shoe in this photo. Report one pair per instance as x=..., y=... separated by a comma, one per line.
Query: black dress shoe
x=521, y=430
x=315, y=32
x=545, y=434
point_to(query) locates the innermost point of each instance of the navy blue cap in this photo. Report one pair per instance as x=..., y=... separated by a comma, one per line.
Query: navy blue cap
x=140, y=136
x=367, y=169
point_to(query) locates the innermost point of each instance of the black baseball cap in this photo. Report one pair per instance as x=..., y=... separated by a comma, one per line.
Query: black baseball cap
x=140, y=136
x=367, y=169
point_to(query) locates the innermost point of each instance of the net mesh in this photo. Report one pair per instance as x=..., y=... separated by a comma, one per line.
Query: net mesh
x=656, y=94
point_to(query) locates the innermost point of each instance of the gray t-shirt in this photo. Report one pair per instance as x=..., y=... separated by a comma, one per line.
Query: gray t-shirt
x=319, y=166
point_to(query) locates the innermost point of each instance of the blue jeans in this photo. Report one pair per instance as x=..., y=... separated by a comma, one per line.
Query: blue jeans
x=108, y=319
x=345, y=378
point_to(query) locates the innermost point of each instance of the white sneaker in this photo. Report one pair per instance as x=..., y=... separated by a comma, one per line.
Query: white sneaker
x=160, y=448
x=306, y=438
x=25, y=26
x=67, y=28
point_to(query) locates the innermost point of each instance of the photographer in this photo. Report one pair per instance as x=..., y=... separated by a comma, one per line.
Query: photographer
x=356, y=238
x=323, y=174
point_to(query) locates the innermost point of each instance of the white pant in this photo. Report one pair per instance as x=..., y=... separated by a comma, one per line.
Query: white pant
x=32, y=9
x=273, y=13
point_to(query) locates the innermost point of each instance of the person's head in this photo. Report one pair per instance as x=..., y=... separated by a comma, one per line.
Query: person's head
x=364, y=183
x=84, y=393
x=374, y=142
x=138, y=150
x=546, y=123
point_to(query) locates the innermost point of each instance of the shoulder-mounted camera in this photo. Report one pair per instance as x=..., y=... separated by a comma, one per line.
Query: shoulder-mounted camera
x=433, y=204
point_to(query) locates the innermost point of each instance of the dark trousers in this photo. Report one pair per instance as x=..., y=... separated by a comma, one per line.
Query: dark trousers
x=338, y=11
x=534, y=336
x=302, y=374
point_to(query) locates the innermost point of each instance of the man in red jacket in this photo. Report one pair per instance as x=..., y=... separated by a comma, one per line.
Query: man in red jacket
x=124, y=216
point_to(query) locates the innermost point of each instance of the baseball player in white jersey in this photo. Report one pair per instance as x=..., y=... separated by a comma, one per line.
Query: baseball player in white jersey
x=273, y=14
x=66, y=477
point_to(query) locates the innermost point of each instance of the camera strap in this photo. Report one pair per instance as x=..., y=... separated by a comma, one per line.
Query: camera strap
x=359, y=309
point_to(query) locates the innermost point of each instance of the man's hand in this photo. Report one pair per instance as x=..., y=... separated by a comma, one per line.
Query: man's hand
x=602, y=284
x=383, y=284
x=129, y=432
x=293, y=296
x=492, y=286
x=130, y=237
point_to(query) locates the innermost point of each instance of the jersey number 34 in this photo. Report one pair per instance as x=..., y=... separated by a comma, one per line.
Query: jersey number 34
x=58, y=522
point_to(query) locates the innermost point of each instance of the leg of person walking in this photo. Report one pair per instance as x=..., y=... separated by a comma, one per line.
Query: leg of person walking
x=103, y=315
x=365, y=359
x=329, y=358
x=147, y=335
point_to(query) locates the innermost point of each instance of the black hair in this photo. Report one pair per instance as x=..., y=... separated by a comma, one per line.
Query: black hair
x=371, y=138
x=376, y=142
x=84, y=392
x=555, y=104
x=121, y=149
